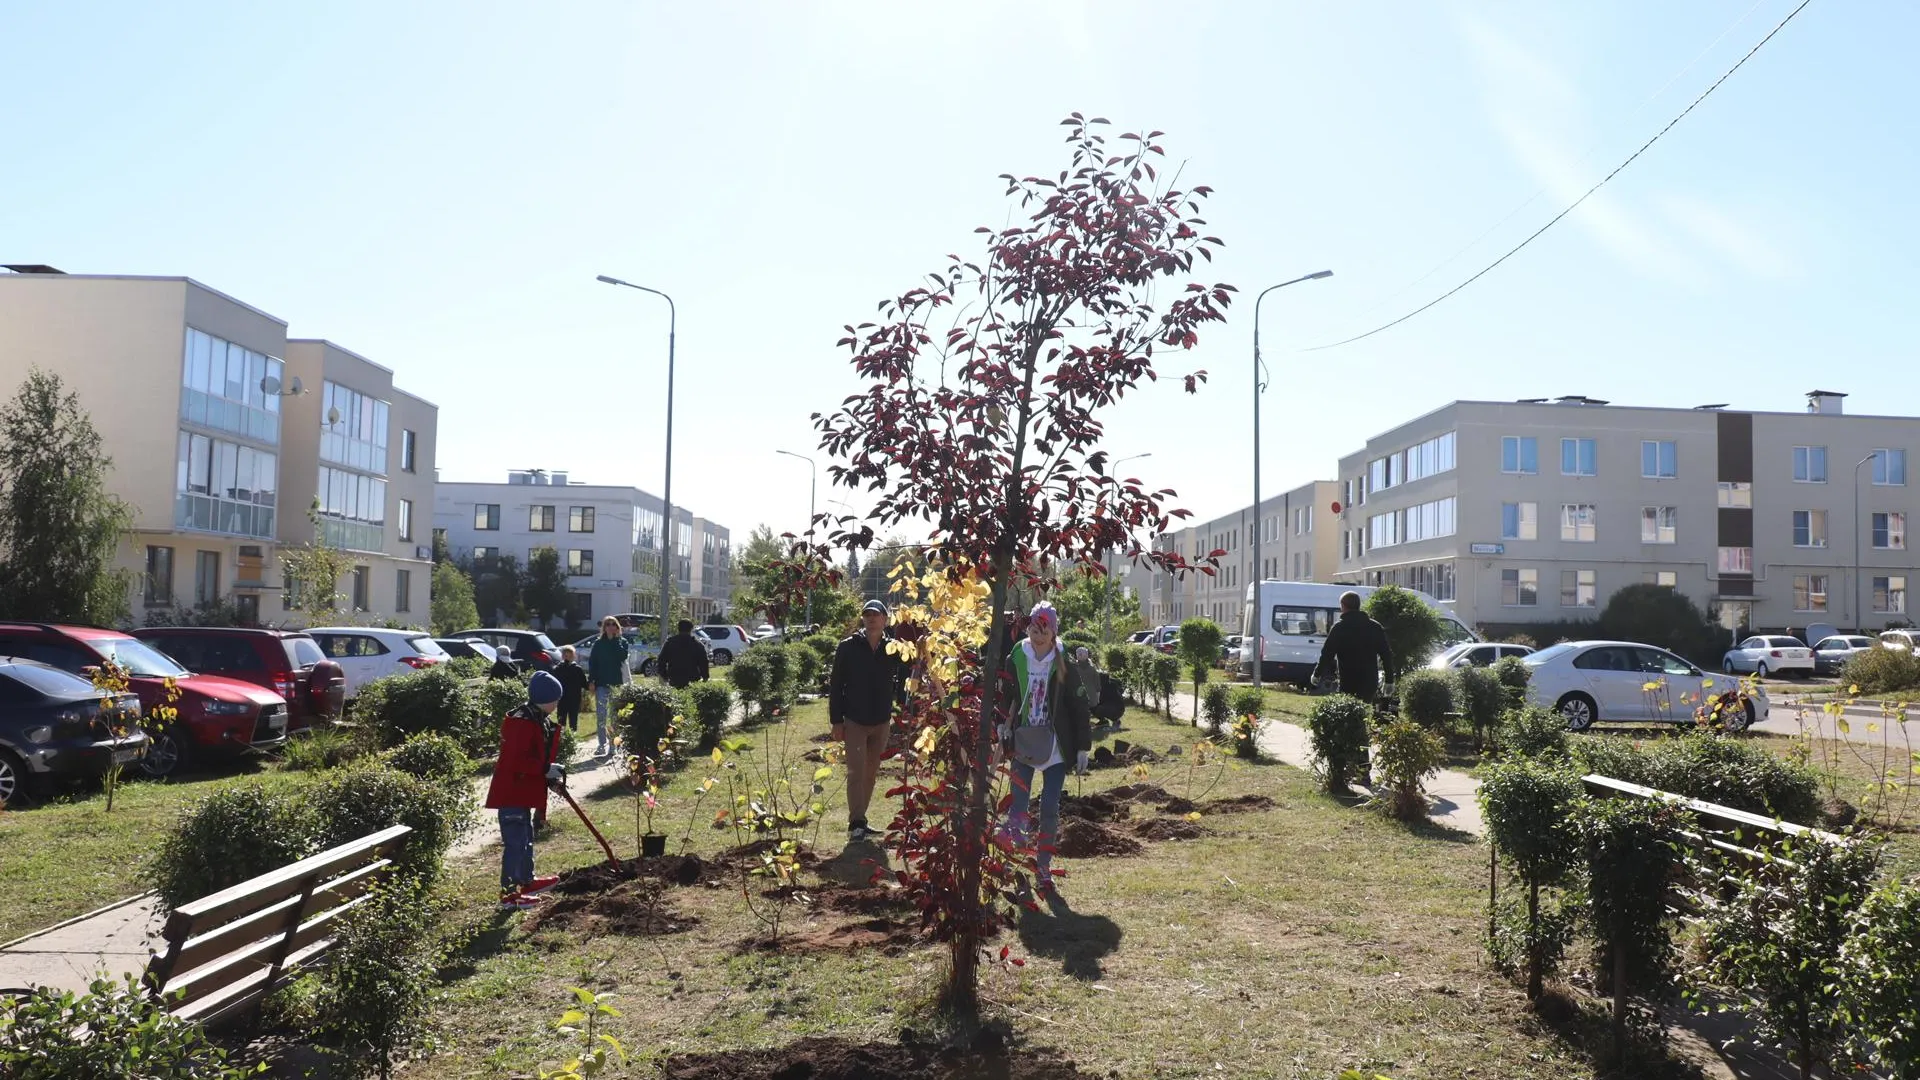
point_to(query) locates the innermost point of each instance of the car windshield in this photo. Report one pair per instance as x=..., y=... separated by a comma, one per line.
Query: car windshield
x=426, y=646
x=51, y=682
x=302, y=651
x=544, y=642
x=139, y=658
x=1551, y=652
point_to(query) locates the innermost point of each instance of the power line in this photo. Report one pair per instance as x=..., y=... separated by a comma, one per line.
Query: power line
x=1515, y=250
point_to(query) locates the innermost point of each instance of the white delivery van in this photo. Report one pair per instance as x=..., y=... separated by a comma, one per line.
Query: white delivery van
x=1293, y=617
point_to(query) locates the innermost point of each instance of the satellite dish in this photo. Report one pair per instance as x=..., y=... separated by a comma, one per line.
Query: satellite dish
x=270, y=385
x=295, y=387
x=333, y=416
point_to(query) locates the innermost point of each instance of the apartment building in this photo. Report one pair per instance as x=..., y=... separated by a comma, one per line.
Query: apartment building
x=1297, y=543
x=610, y=538
x=215, y=447
x=1539, y=510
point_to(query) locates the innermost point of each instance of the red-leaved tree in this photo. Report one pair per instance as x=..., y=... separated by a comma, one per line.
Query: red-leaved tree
x=987, y=432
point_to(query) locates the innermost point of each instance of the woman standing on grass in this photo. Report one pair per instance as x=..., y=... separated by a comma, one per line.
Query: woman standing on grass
x=1047, y=728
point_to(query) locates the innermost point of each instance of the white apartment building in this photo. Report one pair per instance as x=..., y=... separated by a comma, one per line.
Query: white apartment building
x=1297, y=543
x=609, y=537
x=213, y=449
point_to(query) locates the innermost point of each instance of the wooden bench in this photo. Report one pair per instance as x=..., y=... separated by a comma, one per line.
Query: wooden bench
x=1738, y=833
x=227, y=951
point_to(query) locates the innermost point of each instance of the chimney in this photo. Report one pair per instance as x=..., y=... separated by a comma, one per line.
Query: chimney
x=1824, y=402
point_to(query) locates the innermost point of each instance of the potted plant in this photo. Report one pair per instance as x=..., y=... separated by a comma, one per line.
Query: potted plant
x=643, y=775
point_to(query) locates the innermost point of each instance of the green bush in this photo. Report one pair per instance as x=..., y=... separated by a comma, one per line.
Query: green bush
x=1163, y=674
x=1413, y=628
x=360, y=799
x=493, y=699
x=1880, y=979
x=1735, y=773
x=1246, y=701
x=432, y=757
x=399, y=706
x=468, y=667
x=129, y=1036
x=1113, y=660
x=645, y=709
x=227, y=837
x=752, y=678
x=379, y=982
x=1665, y=617
x=1514, y=675
x=808, y=669
x=323, y=748
x=1337, y=730
x=1605, y=755
x=709, y=705
x=1408, y=753
x=1426, y=697
x=1881, y=670
x=780, y=672
x=1477, y=693
x=1528, y=806
x=822, y=646
x=1633, y=856
x=1534, y=732
x=1080, y=636
x=1198, y=648
x=1216, y=708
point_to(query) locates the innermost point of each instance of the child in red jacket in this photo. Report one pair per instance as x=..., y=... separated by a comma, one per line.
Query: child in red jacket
x=527, y=767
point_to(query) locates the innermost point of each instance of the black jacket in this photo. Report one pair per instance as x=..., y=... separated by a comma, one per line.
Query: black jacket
x=573, y=683
x=683, y=660
x=867, y=683
x=1358, y=645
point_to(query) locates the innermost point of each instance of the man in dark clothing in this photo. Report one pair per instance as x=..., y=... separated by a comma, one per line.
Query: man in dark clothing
x=867, y=684
x=1358, y=646
x=683, y=660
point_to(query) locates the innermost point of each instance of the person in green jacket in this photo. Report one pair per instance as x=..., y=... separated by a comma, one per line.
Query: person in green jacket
x=606, y=669
x=1045, y=695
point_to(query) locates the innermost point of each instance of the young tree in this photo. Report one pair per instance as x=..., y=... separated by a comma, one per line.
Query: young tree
x=453, y=609
x=1083, y=599
x=496, y=586
x=985, y=430
x=753, y=571
x=314, y=570
x=1413, y=628
x=59, y=526
x=545, y=592
x=1200, y=641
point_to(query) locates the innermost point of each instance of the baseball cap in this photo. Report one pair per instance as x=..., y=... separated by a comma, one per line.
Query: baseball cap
x=874, y=605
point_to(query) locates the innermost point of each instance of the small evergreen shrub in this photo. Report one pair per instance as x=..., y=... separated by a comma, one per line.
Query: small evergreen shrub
x=468, y=667
x=1163, y=674
x=1337, y=729
x=1529, y=806
x=129, y=1036
x=322, y=748
x=644, y=709
x=780, y=673
x=432, y=757
x=399, y=706
x=1113, y=660
x=380, y=979
x=1246, y=701
x=225, y=838
x=1426, y=697
x=752, y=678
x=709, y=705
x=1604, y=755
x=1737, y=774
x=360, y=799
x=1216, y=710
x=1407, y=754
x=1534, y=732
x=1881, y=670
x=1478, y=695
x=1514, y=675
x=809, y=670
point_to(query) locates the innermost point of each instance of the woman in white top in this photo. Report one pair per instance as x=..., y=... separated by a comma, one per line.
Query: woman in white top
x=1051, y=706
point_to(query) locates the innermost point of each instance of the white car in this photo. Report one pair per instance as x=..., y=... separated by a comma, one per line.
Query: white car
x=1624, y=682
x=1831, y=653
x=1901, y=640
x=1769, y=654
x=366, y=653
x=726, y=641
x=1476, y=654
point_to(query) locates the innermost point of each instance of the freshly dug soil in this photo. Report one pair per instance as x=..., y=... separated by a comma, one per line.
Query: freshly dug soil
x=1169, y=828
x=798, y=936
x=1099, y=806
x=1238, y=804
x=1147, y=793
x=599, y=900
x=838, y=1059
x=1082, y=839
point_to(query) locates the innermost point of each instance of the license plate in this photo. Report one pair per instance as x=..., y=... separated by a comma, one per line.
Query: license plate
x=131, y=753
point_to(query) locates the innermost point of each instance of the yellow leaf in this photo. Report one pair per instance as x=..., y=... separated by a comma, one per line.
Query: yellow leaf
x=1194, y=816
x=718, y=757
x=1841, y=723
x=1873, y=728
x=1854, y=689
x=822, y=773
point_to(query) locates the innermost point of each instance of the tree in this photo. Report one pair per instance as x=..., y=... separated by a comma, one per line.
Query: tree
x=1663, y=616
x=753, y=573
x=314, y=570
x=1413, y=627
x=453, y=609
x=60, y=527
x=496, y=586
x=1200, y=641
x=985, y=429
x=545, y=592
x=1082, y=599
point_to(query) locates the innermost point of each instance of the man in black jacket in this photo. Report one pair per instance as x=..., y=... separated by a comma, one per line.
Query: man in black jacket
x=683, y=660
x=1358, y=646
x=867, y=684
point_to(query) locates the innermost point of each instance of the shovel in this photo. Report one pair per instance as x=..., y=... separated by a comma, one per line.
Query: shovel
x=561, y=787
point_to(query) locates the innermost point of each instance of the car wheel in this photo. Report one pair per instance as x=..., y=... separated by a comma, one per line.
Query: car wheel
x=1760, y=669
x=1727, y=667
x=166, y=752
x=1579, y=711
x=646, y=666
x=13, y=779
x=722, y=656
x=1742, y=719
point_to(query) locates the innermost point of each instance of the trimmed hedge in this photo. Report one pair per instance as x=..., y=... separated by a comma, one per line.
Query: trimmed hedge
x=225, y=838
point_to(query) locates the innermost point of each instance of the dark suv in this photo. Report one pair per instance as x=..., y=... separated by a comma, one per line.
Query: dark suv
x=287, y=662
x=57, y=725
x=531, y=650
x=214, y=716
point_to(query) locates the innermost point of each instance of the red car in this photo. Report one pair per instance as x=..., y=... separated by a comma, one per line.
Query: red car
x=216, y=717
x=287, y=662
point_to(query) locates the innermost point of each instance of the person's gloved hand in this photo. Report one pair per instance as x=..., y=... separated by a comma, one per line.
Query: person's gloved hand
x=1080, y=763
x=556, y=775
x=1006, y=733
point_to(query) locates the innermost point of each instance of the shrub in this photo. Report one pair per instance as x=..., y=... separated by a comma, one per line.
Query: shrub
x=379, y=981
x=130, y=1036
x=751, y=678
x=644, y=711
x=493, y=699
x=1246, y=701
x=361, y=799
x=468, y=667
x=1163, y=672
x=1243, y=736
x=228, y=837
x=1881, y=670
x=1608, y=756
x=808, y=668
x=1199, y=649
x=1514, y=675
x=1080, y=636
x=432, y=757
x=1665, y=617
x=1880, y=979
x=780, y=672
x=710, y=705
x=1735, y=773
x=399, y=706
x=1413, y=628
x=1408, y=753
x=1534, y=732
x=323, y=748
x=1426, y=697
x=1337, y=730
x=1633, y=854
x=823, y=647
x=1478, y=694
x=1216, y=709
x=1528, y=807
x=1113, y=660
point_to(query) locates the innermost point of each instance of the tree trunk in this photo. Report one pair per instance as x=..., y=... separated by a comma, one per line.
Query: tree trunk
x=963, y=976
x=1536, y=979
x=1619, y=998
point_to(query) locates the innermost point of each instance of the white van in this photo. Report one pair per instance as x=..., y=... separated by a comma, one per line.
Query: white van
x=1298, y=615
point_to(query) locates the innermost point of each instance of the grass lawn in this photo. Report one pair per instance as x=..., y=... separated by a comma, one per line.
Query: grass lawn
x=1290, y=942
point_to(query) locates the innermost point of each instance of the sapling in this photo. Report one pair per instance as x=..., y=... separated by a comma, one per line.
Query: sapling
x=598, y=1050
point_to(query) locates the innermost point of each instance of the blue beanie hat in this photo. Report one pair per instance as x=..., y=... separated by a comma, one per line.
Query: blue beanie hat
x=544, y=688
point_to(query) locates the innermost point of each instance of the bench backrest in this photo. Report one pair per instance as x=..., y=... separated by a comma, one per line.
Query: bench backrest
x=227, y=951
x=1739, y=834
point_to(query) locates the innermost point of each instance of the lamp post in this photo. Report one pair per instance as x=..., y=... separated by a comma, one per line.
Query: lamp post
x=1859, y=615
x=813, y=475
x=1106, y=627
x=1259, y=622
x=666, y=487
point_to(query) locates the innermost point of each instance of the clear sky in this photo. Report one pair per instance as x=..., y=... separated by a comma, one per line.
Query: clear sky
x=435, y=185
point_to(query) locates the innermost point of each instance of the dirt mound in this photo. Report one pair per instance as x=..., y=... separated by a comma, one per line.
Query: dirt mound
x=1238, y=804
x=624, y=903
x=885, y=935
x=1099, y=806
x=1169, y=828
x=815, y=756
x=823, y=737
x=1082, y=839
x=1121, y=754
x=837, y=1059
x=1147, y=793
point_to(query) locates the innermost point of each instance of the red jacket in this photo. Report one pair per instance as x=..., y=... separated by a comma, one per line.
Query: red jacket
x=529, y=742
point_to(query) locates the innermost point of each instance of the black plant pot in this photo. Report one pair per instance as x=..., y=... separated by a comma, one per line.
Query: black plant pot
x=653, y=845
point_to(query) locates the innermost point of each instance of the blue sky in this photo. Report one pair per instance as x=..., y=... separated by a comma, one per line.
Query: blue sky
x=436, y=185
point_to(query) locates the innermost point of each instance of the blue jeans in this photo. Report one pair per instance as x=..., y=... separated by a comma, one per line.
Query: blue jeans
x=1052, y=781
x=516, y=846
x=602, y=706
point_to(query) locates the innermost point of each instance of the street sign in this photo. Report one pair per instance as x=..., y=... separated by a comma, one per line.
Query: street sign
x=1489, y=549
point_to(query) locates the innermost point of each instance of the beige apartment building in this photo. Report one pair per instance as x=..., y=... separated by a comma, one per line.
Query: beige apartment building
x=1298, y=542
x=214, y=448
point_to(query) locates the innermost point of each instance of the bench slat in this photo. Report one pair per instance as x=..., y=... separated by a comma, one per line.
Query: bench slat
x=236, y=996
x=255, y=957
x=267, y=922
x=195, y=918
x=1705, y=809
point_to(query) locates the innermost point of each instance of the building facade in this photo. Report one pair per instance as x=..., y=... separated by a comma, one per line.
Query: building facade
x=1298, y=542
x=609, y=538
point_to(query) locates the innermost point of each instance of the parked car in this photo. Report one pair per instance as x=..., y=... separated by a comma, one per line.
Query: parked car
x=51, y=728
x=1901, y=640
x=766, y=632
x=641, y=653
x=1769, y=654
x=287, y=662
x=1590, y=682
x=214, y=716
x=1476, y=654
x=531, y=649
x=1140, y=637
x=366, y=653
x=1166, y=639
x=727, y=641
x=1830, y=654
x=467, y=648
x=1230, y=648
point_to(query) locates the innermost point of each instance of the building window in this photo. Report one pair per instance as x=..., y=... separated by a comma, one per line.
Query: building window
x=580, y=519
x=1659, y=459
x=540, y=518
x=1890, y=530
x=1890, y=594
x=580, y=607
x=353, y=509
x=1579, y=522
x=403, y=520
x=159, y=576
x=1736, y=560
x=224, y=386
x=361, y=602
x=224, y=487
x=1810, y=464
x=1810, y=592
x=403, y=590
x=1664, y=578
x=1890, y=468
x=1520, y=454
x=353, y=429
x=1519, y=521
x=206, y=578
x=1346, y=544
x=1659, y=524
x=1426, y=521
x=1810, y=528
x=486, y=516
x=579, y=562
x=1579, y=457
x=409, y=446
x=1736, y=495
x=1519, y=588
x=1578, y=588
x=482, y=554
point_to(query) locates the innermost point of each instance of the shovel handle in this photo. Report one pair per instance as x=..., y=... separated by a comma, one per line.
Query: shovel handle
x=588, y=822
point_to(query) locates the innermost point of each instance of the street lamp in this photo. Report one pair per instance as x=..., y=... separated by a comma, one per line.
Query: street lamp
x=1106, y=630
x=813, y=475
x=1259, y=519
x=666, y=489
x=1859, y=615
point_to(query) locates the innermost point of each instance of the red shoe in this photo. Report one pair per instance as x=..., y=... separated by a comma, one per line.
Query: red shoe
x=539, y=885
x=515, y=901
